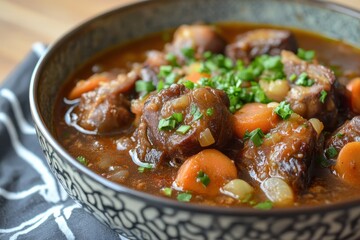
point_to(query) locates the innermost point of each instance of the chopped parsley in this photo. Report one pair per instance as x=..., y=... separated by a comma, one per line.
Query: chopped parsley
x=145, y=166
x=306, y=55
x=203, y=178
x=323, y=95
x=304, y=80
x=188, y=53
x=167, y=75
x=184, y=197
x=183, y=129
x=189, y=84
x=267, y=205
x=144, y=87
x=171, y=58
x=210, y=111
x=195, y=112
x=170, y=123
x=167, y=191
x=292, y=77
x=284, y=110
x=331, y=152
x=339, y=135
x=256, y=136
x=82, y=160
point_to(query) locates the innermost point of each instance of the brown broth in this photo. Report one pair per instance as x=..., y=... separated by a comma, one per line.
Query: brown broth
x=102, y=152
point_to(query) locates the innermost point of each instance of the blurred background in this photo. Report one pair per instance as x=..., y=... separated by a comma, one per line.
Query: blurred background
x=23, y=22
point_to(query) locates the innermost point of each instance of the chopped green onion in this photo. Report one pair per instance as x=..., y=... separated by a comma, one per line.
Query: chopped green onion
x=183, y=129
x=331, y=152
x=339, y=135
x=144, y=167
x=178, y=117
x=304, y=80
x=210, y=111
x=197, y=115
x=267, y=205
x=167, y=191
x=171, y=58
x=256, y=136
x=284, y=110
x=203, y=178
x=184, y=197
x=189, y=84
x=292, y=77
x=144, y=87
x=189, y=53
x=167, y=124
x=323, y=95
x=160, y=85
x=306, y=55
x=82, y=160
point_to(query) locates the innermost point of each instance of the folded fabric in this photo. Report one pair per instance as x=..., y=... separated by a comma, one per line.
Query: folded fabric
x=32, y=203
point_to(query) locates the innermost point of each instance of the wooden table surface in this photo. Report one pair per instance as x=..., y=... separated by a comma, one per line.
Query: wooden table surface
x=24, y=22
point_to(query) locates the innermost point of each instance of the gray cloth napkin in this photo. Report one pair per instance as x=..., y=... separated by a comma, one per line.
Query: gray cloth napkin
x=32, y=203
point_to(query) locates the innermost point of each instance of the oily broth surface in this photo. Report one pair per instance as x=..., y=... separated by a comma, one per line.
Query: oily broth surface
x=102, y=152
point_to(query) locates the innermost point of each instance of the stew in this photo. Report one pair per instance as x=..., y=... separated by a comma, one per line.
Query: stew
x=228, y=114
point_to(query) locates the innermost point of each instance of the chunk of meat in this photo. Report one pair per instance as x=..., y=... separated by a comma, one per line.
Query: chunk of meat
x=155, y=59
x=204, y=110
x=261, y=41
x=306, y=100
x=287, y=153
x=200, y=37
x=106, y=109
x=348, y=132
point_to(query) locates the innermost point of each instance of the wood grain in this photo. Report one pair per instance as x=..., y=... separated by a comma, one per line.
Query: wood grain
x=24, y=22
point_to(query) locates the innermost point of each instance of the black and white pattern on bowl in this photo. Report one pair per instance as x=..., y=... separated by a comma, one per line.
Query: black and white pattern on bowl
x=135, y=217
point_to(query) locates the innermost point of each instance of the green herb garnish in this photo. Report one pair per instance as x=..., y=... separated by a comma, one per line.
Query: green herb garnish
x=189, y=53
x=183, y=129
x=256, y=136
x=292, y=77
x=184, y=197
x=306, y=55
x=331, y=152
x=267, y=205
x=304, y=80
x=170, y=122
x=171, y=58
x=203, y=178
x=144, y=87
x=167, y=191
x=323, y=95
x=210, y=111
x=339, y=135
x=82, y=160
x=189, y=84
x=284, y=110
x=145, y=166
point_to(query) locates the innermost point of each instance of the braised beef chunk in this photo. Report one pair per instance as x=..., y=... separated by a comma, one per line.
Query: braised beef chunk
x=287, y=152
x=106, y=109
x=312, y=91
x=200, y=119
x=348, y=132
x=199, y=37
x=261, y=41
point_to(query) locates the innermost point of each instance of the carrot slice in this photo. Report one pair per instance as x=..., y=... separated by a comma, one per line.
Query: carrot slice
x=354, y=94
x=84, y=86
x=196, y=76
x=206, y=172
x=348, y=163
x=252, y=116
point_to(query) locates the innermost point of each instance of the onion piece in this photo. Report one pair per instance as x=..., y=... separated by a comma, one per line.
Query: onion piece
x=238, y=189
x=278, y=191
x=206, y=138
x=317, y=125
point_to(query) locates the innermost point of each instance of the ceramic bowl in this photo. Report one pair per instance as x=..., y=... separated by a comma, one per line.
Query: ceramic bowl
x=138, y=215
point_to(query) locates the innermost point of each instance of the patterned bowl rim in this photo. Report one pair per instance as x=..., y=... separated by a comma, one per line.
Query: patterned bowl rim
x=149, y=198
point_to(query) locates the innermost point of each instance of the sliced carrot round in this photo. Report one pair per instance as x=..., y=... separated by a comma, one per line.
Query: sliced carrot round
x=206, y=172
x=354, y=94
x=252, y=116
x=348, y=163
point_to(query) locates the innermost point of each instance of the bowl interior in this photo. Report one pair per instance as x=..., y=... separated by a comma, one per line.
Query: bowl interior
x=123, y=24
